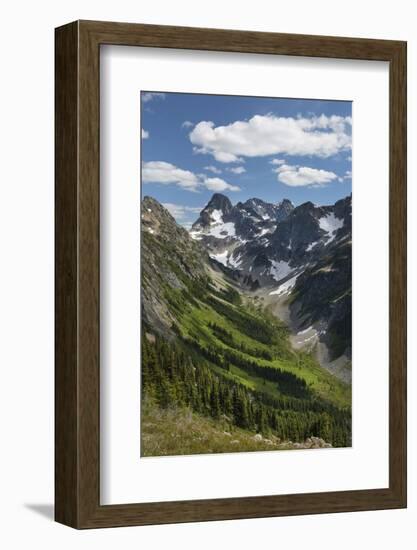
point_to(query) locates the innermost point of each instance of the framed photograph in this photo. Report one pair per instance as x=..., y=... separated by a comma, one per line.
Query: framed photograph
x=230, y=274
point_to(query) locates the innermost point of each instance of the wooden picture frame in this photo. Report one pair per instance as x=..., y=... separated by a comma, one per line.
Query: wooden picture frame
x=77, y=405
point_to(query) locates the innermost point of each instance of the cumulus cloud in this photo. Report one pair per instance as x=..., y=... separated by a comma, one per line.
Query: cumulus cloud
x=262, y=135
x=237, y=170
x=145, y=134
x=277, y=162
x=166, y=173
x=217, y=184
x=149, y=96
x=213, y=169
x=187, y=124
x=180, y=211
x=299, y=176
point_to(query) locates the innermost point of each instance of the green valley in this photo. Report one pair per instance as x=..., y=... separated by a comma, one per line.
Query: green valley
x=213, y=355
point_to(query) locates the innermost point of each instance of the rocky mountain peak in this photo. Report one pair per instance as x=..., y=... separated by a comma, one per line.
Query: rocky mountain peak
x=284, y=207
x=215, y=212
x=220, y=202
x=157, y=220
x=306, y=207
x=265, y=210
x=286, y=203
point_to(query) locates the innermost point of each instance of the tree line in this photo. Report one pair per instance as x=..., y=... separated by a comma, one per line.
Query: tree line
x=173, y=375
x=227, y=338
x=287, y=382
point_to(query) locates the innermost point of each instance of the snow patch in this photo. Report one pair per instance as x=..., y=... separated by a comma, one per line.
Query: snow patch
x=221, y=258
x=223, y=230
x=311, y=246
x=330, y=224
x=226, y=260
x=280, y=269
x=217, y=216
x=217, y=228
x=286, y=287
x=196, y=235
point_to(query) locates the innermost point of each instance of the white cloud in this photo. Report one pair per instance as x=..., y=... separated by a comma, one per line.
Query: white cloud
x=187, y=124
x=299, y=176
x=149, y=96
x=180, y=211
x=145, y=134
x=348, y=175
x=166, y=173
x=213, y=169
x=217, y=184
x=277, y=162
x=263, y=135
x=237, y=170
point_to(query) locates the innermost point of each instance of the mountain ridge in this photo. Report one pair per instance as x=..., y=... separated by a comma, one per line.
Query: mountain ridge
x=278, y=246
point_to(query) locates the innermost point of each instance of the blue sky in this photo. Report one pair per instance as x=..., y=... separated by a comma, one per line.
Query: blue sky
x=272, y=148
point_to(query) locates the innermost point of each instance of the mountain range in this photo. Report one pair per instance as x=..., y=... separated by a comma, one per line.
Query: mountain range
x=301, y=254
x=246, y=321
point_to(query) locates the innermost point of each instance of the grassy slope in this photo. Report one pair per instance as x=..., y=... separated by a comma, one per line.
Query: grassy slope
x=178, y=431
x=194, y=324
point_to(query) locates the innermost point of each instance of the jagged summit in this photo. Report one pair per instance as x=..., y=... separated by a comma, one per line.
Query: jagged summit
x=285, y=202
x=220, y=202
x=241, y=222
x=270, y=241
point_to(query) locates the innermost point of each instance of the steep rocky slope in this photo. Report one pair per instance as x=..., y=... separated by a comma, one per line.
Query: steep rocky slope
x=170, y=261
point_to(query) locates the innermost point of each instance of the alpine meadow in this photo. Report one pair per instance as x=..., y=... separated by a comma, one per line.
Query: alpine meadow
x=246, y=274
